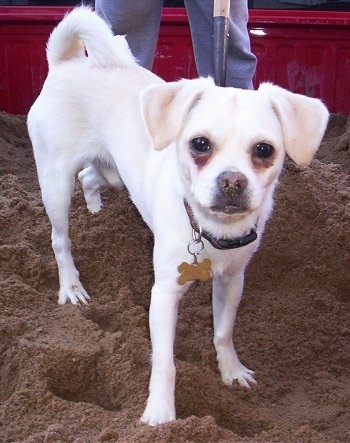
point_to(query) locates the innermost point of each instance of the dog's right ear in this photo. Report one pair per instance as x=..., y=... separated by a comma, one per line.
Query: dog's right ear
x=166, y=106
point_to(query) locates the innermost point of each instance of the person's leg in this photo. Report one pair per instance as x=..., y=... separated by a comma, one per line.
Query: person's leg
x=139, y=20
x=241, y=62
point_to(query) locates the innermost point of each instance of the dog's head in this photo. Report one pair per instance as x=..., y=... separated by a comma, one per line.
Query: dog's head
x=231, y=142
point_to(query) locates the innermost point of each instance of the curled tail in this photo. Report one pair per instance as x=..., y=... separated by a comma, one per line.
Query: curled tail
x=82, y=29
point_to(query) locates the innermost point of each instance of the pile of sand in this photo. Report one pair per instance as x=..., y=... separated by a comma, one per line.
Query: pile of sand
x=80, y=374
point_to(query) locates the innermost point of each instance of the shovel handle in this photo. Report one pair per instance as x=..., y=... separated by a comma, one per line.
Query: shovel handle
x=221, y=8
x=221, y=13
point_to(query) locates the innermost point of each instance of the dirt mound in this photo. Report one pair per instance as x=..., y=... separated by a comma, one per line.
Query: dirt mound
x=80, y=374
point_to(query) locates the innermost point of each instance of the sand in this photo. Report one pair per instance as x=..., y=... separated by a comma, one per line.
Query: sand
x=80, y=374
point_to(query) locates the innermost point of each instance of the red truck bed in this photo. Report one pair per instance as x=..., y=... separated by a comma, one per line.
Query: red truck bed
x=304, y=51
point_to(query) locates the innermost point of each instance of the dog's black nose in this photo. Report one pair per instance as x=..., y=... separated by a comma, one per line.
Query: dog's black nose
x=232, y=183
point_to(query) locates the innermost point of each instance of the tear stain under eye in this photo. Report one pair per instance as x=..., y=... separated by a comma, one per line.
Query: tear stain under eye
x=201, y=160
x=259, y=163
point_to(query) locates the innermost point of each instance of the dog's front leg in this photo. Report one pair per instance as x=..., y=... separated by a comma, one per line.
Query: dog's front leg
x=227, y=292
x=162, y=318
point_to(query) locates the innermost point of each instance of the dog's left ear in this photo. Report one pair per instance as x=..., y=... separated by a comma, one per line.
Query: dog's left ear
x=303, y=120
x=166, y=106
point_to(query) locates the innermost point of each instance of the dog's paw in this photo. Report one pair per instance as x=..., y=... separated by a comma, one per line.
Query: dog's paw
x=91, y=182
x=93, y=200
x=157, y=413
x=94, y=204
x=76, y=294
x=237, y=372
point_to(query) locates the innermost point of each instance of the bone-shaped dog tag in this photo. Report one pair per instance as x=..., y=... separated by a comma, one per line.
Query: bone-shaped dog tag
x=195, y=271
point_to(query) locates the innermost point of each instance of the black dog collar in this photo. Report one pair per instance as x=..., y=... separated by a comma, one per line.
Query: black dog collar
x=221, y=243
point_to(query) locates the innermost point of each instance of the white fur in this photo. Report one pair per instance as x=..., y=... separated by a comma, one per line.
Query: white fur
x=82, y=29
x=117, y=123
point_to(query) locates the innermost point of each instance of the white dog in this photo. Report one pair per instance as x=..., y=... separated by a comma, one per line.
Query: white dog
x=200, y=163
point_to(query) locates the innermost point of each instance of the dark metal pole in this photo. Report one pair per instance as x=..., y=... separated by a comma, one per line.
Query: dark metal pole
x=221, y=15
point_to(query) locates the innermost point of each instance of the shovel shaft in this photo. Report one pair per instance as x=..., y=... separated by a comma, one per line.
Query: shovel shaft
x=221, y=14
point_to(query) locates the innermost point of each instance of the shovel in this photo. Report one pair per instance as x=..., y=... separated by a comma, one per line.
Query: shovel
x=221, y=15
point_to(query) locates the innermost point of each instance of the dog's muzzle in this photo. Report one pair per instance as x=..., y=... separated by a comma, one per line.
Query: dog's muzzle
x=220, y=243
x=231, y=196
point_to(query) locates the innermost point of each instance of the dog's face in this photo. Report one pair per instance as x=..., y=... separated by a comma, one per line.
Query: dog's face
x=231, y=143
x=230, y=151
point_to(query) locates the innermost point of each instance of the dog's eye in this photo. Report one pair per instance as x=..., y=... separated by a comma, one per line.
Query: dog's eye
x=263, y=150
x=200, y=145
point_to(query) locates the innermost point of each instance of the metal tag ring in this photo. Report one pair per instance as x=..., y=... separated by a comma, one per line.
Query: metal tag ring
x=199, y=244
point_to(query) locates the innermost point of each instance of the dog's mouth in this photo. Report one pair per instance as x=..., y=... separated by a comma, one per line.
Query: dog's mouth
x=230, y=209
x=230, y=202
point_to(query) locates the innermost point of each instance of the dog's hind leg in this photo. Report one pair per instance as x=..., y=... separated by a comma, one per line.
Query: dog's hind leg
x=92, y=178
x=57, y=188
x=91, y=181
x=227, y=291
